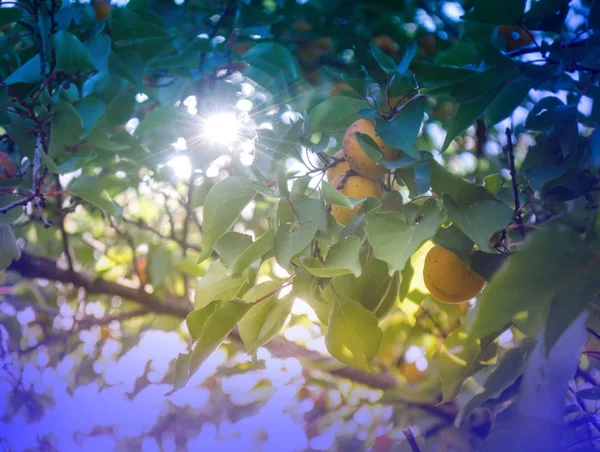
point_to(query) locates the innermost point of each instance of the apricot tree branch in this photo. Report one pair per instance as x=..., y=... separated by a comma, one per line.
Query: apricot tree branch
x=31, y=267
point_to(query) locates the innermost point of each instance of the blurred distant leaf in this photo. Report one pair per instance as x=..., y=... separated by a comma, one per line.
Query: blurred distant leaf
x=9, y=250
x=159, y=265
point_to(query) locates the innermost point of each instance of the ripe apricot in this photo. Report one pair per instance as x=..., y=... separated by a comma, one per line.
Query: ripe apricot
x=514, y=37
x=141, y=264
x=7, y=167
x=356, y=157
x=354, y=187
x=428, y=45
x=339, y=89
x=302, y=26
x=102, y=9
x=448, y=279
x=387, y=45
x=339, y=168
x=411, y=372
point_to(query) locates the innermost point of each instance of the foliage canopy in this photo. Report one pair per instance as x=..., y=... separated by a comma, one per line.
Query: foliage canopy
x=166, y=161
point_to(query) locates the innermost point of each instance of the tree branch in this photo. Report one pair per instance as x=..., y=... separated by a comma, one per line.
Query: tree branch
x=30, y=266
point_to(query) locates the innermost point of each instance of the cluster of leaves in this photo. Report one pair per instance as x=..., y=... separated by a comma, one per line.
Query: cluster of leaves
x=525, y=221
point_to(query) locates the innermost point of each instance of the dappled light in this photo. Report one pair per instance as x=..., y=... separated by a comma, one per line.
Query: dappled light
x=300, y=226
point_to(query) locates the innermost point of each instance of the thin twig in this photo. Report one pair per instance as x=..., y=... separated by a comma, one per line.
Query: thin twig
x=513, y=176
x=412, y=442
x=61, y=224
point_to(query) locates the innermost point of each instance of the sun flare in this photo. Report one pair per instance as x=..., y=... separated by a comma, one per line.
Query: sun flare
x=221, y=128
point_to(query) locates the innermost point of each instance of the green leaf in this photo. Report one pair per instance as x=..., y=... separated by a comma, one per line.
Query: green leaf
x=276, y=55
x=265, y=318
x=509, y=98
x=218, y=285
x=467, y=114
x=9, y=250
x=311, y=210
x=530, y=278
x=90, y=110
x=454, y=240
x=394, y=241
x=462, y=192
x=353, y=336
x=87, y=187
x=480, y=220
x=99, y=50
x=570, y=301
x=22, y=137
x=71, y=54
x=210, y=326
x=162, y=119
x=385, y=62
x=333, y=196
x=541, y=116
x=391, y=297
x=487, y=264
x=65, y=129
x=335, y=113
x=255, y=251
x=509, y=369
x=51, y=164
x=369, y=147
x=342, y=258
x=230, y=245
x=27, y=73
x=12, y=215
x=125, y=25
x=594, y=16
x=10, y=15
x=461, y=358
x=159, y=265
x=224, y=203
x=402, y=131
x=498, y=13
x=291, y=240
